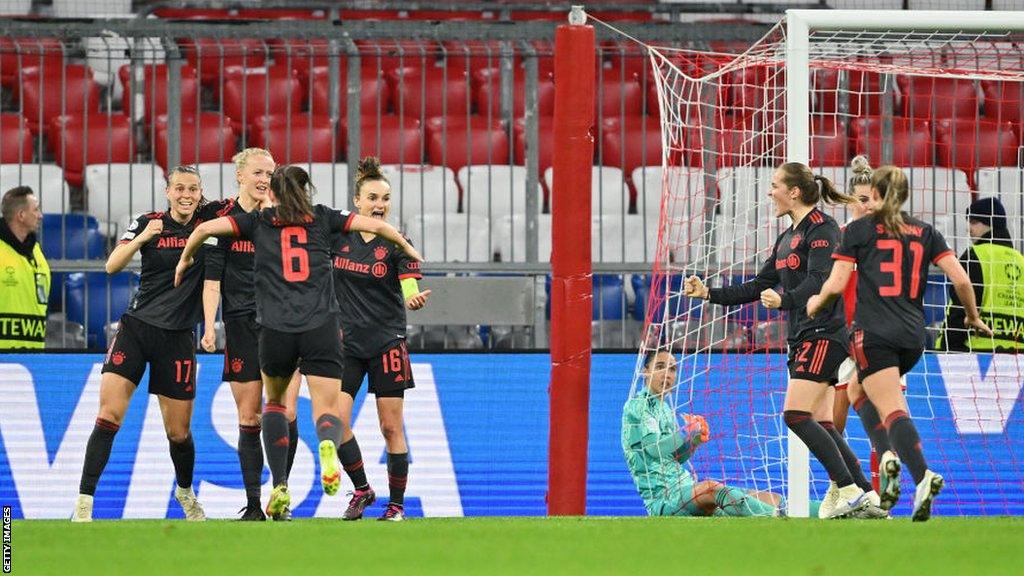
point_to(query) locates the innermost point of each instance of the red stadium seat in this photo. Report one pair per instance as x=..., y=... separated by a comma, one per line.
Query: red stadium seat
x=630, y=142
x=391, y=139
x=829, y=143
x=969, y=145
x=171, y=13
x=250, y=94
x=425, y=93
x=824, y=82
x=911, y=140
x=15, y=140
x=209, y=140
x=545, y=141
x=211, y=56
x=627, y=57
x=281, y=14
x=45, y=95
x=618, y=95
x=77, y=141
x=154, y=90
x=374, y=92
x=474, y=55
x=930, y=97
x=863, y=93
x=387, y=55
x=20, y=53
x=1003, y=101
x=460, y=140
x=303, y=55
x=298, y=139
x=488, y=95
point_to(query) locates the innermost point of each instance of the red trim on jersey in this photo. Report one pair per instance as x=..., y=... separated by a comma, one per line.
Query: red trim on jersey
x=858, y=350
x=234, y=225
x=843, y=257
x=228, y=206
x=348, y=221
x=816, y=217
x=410, y=275
x=850, y=298
x=941, y=256
x=820, y=352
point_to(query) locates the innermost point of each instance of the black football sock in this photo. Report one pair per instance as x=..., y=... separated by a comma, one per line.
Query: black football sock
x=398, y=476
x=328, y=427
x=183, y=455
x=293, y=443
x=873, y=426
x=275, y=441
x=97, y=452
x=250, y=457
x=852, y=463
x=903, y=436
x=820, y=444
x=352, y=460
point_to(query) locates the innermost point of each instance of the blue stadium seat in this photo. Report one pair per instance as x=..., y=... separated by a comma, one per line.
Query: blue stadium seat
x=72, y=237
x=87, y=301
x=609, y=297
x=679, y=305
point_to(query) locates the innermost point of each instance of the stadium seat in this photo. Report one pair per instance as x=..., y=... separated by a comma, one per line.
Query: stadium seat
x=936, y=296
x=387, y=55
x=545, y=142
x=282, y=13
x=374, y=93
x=421, y=189
x=1003, y=101
x=46, y=180
x=610, y=194
x=182, y=13
x=937, y=191
x=461, y=140
x=47, y=93
x=17, y=54
x=107, y=54
x=622, y=238
x=250, y=93
x=495, y=191
x=95, y=299
x=474, y=56
x=829, y=143
x=210, y=57
x=685, y=208
x=488, y=95
x=117, y=192
x=391, y=139
x=911, y=140
x=206, y=138
x=618, y=94
x=508, y=236
x=630, y=142
x=303, y=55
x=152, y=81
x=15, y=140
x=72, y=237
x=609, y=297
x=450, y=237
x=861, y=95
x=1007, y=184
x=625, y=57
x=77, y=141
x=425, y=93
x=297, y=139
x=970, y=144
x=746, y=227
x=931, y=97
x=331, y=182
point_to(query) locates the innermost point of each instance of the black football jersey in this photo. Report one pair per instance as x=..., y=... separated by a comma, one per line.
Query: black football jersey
x=293, y=266
x=800, y=262
x=892, y=274
x=158, y=302
x=232, y=261
x=367, y=281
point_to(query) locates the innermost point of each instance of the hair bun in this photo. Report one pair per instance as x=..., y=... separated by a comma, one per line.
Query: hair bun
x=860, y=165
x=369, y=168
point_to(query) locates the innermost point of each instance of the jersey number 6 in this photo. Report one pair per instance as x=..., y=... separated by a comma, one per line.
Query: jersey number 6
x=294, y=259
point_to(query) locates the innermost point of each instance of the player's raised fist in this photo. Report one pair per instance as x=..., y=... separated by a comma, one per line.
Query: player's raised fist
x=154, y=228
x=694, y=287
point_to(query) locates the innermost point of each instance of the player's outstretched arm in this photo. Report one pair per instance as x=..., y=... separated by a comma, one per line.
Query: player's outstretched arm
x=832, y=289
x=381, y=228
x=962, y=284
x=223, y=226
x=122, y=254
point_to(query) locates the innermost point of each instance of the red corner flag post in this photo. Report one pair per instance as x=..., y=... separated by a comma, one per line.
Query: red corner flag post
x=571, y=283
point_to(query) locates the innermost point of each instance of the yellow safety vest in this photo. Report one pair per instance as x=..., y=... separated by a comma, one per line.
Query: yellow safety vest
x=24, y=289
x=1002, y=300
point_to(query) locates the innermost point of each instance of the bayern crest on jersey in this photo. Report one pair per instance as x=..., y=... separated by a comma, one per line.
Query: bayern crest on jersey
x=380, y=252
x=795, y=242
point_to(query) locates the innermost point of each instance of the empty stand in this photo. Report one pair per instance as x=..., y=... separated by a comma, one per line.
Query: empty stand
x=610, y=193
x=151, y=81
x=450, y=237
x=374, y=93
x=1007, y=184
x=417, y=190
x=391, y=139
x=210, y=57
x=117, y=192
x=15, y=139
x=911, y=140
x=299, y=138
x=495, y=190
x=970, y=144
x=488, y=94
x=203, y=139
x=46, y=180
x=47, y=93
x=428, y=92
x=1003, y=101
x=17, y=54
x=77, y=141
x=255, y=92
x=930, y=97
x=630, y=142
x=508, y=237
x=95, y=299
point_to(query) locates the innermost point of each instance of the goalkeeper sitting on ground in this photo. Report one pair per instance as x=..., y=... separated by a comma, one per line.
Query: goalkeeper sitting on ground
x=656, y=448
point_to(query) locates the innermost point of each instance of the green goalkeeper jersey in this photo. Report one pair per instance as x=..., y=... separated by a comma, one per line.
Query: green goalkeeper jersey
x=654, y=447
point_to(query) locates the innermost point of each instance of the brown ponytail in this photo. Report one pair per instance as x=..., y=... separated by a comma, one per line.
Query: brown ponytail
x=812, y=186
x=293, y=191
x=891, y=184
x=369, y=171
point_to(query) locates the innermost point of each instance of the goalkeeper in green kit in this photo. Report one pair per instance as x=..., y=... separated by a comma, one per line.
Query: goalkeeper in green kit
x=657, y=447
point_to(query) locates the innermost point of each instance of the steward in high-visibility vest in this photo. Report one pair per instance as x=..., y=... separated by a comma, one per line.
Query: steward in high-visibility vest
x=24, y=273
x=997, y=274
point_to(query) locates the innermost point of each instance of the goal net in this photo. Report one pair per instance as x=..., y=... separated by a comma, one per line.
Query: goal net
x=947, y=107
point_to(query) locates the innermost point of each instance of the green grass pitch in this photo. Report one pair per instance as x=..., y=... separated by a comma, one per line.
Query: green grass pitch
x=521, y=546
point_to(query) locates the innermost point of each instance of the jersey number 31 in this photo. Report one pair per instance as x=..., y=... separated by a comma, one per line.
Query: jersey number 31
x=894, y=266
